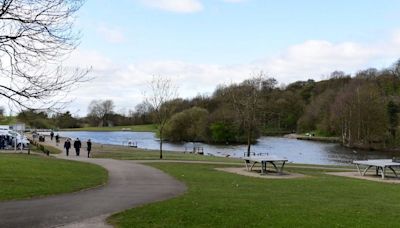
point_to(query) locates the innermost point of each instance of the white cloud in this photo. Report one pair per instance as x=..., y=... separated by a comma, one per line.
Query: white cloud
x=90, y=58
x=180, y=6
x=110, y=34
x=125, y=83
x=318, y=58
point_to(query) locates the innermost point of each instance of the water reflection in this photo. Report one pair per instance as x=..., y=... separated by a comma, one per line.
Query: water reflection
x=298, y=151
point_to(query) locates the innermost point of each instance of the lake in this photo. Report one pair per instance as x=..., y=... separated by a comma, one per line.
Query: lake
x=298, y=151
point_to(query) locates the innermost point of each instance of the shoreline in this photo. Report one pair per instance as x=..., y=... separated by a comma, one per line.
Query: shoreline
x=313, y=138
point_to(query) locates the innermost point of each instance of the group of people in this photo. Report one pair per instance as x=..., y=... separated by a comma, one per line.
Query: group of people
x=68, y=144
x=77, y=145
x=5, y=140
x=57, y=137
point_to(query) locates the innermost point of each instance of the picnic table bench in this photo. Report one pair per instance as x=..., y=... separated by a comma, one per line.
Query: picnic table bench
x=251, y=161
x=379, y=164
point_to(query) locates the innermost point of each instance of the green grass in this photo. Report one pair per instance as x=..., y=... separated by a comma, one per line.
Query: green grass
x=219, y=199
x=136, y=128
x=25, y=176
x=51, y=149
x=129, y=153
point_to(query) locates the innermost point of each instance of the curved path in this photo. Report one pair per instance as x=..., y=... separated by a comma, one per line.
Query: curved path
x=129, y=185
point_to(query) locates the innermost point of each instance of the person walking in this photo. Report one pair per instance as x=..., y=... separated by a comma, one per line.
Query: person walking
x=77, y=146
x=67, y=145
x=57, y=139
x=89, y=147
x=51, y=135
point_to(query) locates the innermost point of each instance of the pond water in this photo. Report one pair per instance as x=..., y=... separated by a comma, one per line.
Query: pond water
x=298, y=151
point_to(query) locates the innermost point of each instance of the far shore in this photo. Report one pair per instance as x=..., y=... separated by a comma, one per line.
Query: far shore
x=313, y=138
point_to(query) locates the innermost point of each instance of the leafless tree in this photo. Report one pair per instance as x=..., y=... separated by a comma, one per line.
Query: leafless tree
x=142, y=112
x=35, y=38
x=162, y=91
x=245, y=99
x=100, y=110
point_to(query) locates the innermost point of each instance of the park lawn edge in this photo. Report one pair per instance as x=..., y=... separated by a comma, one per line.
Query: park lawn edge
x=104, y=173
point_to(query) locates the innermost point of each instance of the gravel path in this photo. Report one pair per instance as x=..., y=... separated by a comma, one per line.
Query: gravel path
x=129, y=185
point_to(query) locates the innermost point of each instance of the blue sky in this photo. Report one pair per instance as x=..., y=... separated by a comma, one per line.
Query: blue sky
x=203, y=43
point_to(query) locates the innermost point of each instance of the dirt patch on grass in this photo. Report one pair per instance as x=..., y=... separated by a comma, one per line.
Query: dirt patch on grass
x=371, y=176
x=257, y=173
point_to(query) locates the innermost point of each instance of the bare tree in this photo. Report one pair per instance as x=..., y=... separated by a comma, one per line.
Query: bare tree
x=142, y=112
x=100, y=110
x=245, y=99
x=162, y=91
x=35, y=38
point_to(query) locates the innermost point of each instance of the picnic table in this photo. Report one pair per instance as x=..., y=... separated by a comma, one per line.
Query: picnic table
x=251, y=161
x=379, y=164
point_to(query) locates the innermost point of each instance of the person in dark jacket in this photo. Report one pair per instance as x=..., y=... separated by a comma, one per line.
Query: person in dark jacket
x=89, y=147
x=77, y=146
x=51, y=135
x=67, y=145
x=57, y=139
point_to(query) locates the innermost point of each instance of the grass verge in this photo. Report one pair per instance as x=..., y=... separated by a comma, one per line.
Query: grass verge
x=25, y=176
x=42, y=148
x=218, y=199
x=130, y=153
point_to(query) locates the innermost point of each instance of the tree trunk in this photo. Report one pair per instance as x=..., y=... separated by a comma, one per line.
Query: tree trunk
x=248, y=143
x=161, y=142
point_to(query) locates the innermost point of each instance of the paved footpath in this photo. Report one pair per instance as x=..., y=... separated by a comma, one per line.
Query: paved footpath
x=129, y=185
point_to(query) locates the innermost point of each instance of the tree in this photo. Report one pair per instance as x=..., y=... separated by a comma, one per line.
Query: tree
x=65, y=120
x=162, y=91
x=393, y=110
x=142, y=112
x=35, y=37
x=100, y=111
x=189, y=125
x=359, y=113
x=35, y=119
x=246, y=100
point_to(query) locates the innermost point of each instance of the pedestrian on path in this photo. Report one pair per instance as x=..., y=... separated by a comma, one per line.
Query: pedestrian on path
x=67, y=145
x=77, y=146
x=89, y=147
x=57, y=139
x=51, y=135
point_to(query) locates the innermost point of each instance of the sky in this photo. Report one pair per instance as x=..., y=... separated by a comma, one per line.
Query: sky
x=200, y=44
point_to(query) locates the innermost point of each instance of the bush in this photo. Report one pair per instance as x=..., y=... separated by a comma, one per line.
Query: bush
x=188, y=125
x=222, y=133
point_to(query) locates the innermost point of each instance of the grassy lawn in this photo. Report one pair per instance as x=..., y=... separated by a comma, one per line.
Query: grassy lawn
x=218, y=199
x=129, y=153
x=25, y=176
x=40, y=148
x=137, y=128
